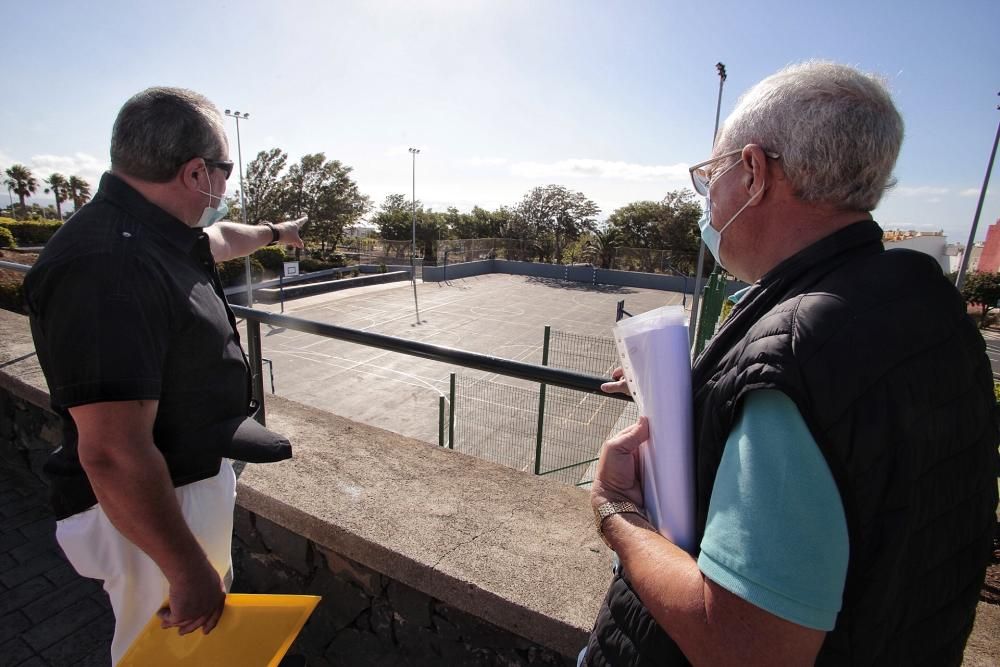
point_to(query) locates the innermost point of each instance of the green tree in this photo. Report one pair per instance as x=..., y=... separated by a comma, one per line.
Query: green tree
x=982, y=289
x=59, y=188
x=670, y=224
x=325, y=191
x=599, y=248
x=393, y=218
x=264, y=191
x=21, y=181
x=558, y=215
x=79, y=191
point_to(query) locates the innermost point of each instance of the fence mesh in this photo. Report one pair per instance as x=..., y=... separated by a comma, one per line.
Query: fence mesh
x=472, y=250
x=499, y=422
x=647, y=260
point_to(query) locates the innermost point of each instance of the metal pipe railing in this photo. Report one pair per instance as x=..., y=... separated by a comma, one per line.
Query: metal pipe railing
x=448, y=355
x=441, y=353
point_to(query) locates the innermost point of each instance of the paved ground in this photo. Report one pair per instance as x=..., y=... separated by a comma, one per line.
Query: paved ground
x=49, y=615
x=497, y=314
x=992, y=338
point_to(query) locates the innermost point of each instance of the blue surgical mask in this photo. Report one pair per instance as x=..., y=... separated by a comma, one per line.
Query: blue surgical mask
x=711, y=236
x=212, y=215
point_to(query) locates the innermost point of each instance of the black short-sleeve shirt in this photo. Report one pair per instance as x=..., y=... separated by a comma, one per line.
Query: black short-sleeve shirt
x=125, y=304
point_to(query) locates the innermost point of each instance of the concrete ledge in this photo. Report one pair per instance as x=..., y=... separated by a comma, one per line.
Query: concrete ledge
x=517, y=551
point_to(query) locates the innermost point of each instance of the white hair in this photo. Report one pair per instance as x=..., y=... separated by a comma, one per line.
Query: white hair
x=836, y=129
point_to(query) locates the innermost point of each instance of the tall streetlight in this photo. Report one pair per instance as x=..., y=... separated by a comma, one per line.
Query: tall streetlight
x=692, y=327
x=413, y=247
x=960, y=280
x=243, y=209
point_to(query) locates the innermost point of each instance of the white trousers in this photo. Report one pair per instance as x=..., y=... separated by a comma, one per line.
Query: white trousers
x=133, y=581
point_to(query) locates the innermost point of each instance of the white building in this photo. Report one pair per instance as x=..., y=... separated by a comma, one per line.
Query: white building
x=934, y=244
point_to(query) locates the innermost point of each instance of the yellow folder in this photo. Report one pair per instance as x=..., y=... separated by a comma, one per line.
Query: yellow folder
x=255, y=630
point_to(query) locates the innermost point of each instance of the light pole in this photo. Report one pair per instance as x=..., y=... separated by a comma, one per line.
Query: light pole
x=243, y=209
x=979, y=208
x=692, y=327
x=413, y=246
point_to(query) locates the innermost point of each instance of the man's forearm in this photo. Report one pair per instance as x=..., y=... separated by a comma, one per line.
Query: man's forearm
x=668, y=582
x=232, y=239
x=710, y=625
x=136, y=493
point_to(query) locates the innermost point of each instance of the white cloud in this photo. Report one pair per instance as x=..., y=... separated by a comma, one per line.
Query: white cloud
x=603, y=169
x=482, y=161
x=87, y=167
x=920, y=191
x=969, y=192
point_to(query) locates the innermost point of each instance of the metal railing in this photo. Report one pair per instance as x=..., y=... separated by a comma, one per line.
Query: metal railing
x=448, y=355
x=508, y=367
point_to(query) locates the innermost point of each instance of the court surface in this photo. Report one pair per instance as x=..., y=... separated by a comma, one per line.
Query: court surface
x=497, y=314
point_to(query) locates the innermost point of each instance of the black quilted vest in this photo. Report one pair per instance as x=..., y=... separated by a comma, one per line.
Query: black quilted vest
x=891, y=375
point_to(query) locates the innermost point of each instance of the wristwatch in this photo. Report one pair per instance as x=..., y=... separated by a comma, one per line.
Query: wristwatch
x=604, y=510
x=275, y=235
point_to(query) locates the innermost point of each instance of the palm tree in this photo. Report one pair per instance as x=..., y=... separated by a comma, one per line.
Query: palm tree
x=79, y=191
x=600, y=248
x=20, y=180
x=59, y=187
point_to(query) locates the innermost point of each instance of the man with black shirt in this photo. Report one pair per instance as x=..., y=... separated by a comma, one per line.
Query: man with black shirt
x=144, y=365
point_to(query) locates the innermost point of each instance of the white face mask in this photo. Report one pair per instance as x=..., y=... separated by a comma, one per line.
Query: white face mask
x=212, y=215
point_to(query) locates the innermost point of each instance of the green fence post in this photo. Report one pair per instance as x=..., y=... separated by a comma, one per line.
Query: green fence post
x=451, y=414
x=441, y=420
x=541, y=404
x=711, y=308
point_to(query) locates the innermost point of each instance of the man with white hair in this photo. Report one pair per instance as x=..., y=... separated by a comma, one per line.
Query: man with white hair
x=845, y=437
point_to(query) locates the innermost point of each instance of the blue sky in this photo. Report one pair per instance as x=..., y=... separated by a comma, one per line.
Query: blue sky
x=614, y=99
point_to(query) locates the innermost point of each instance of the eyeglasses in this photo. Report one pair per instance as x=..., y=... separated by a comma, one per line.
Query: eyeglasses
x=225, y=165
x=701, y=177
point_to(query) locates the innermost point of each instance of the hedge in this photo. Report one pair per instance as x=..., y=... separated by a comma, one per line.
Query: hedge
x=6, y=238
x=31, y=232
x=308, y=265
x=233, y=271
x=271, y=258
x=12, y=295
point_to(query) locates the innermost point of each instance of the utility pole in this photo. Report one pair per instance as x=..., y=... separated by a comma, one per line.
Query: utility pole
x=243, y=209
x=696, y=297
x=413, y=242
x=960, y=280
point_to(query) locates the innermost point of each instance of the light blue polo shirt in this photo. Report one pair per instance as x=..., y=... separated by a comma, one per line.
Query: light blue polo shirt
x=776, y=533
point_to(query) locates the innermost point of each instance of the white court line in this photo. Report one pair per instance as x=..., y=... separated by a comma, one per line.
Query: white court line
x=421, y=383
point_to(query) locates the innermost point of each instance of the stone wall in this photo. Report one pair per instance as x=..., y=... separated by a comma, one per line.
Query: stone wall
x=367, y=618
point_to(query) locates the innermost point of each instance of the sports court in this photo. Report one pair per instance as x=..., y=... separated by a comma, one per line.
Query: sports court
x=497, y=314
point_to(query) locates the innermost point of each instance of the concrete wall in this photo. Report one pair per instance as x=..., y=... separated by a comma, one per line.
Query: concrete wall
x=582, y=274
x=423, y=556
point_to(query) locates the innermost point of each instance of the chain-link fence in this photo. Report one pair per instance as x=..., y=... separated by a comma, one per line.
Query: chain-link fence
x=647, y=260
x=380, y=251
x=458, y=251
x=500, y=422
